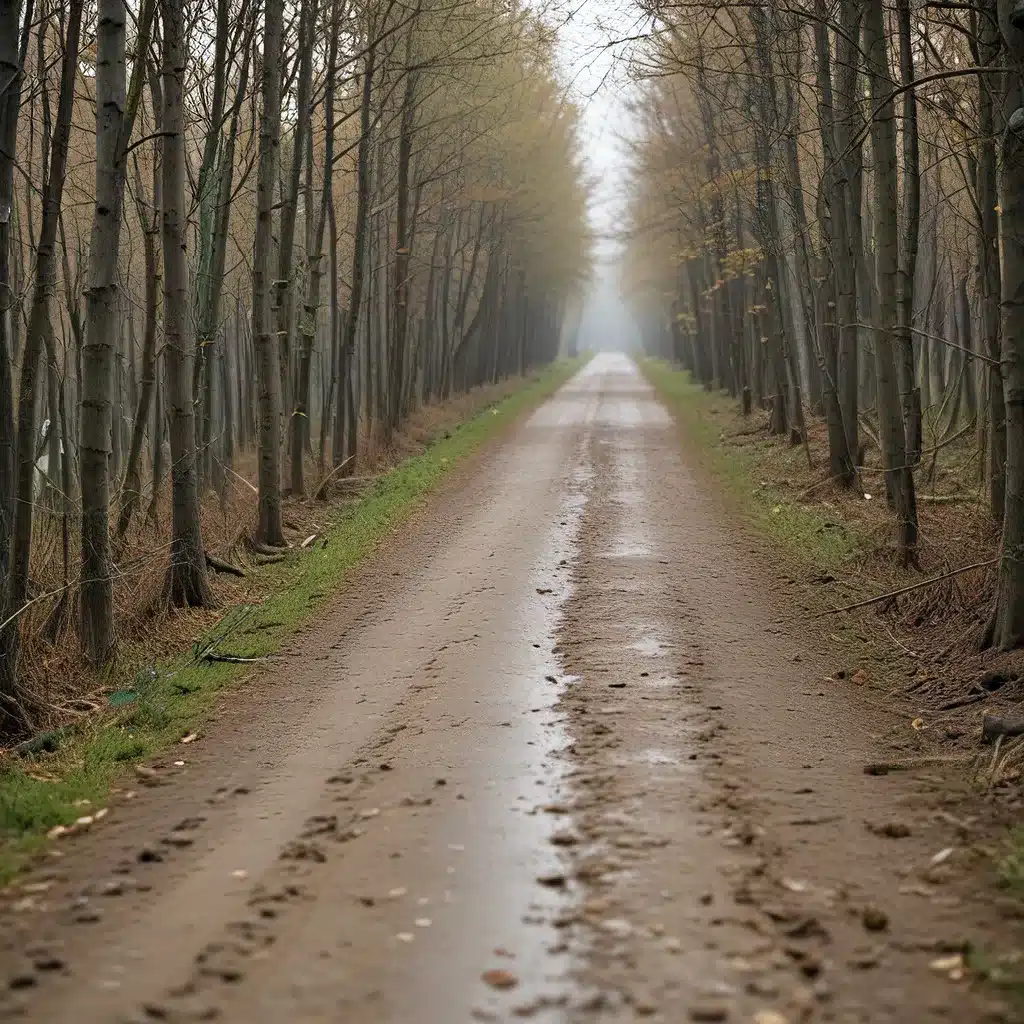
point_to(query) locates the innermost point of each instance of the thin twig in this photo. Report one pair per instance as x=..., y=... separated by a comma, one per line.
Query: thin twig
x=906, y=590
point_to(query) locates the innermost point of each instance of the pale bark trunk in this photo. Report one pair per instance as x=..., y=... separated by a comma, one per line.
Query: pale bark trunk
x=186, y=578
x=307, y=329
x=359, y=243
x=283, y=294
x=267, y=349
x=98, y=355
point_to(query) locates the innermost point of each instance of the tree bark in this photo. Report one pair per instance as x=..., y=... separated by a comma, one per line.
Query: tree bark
x=1008, y=624
x=187, y=584
x=267, y=349
x=892, y=434
x=13, y=48
x=39, y=323
x=314, y=258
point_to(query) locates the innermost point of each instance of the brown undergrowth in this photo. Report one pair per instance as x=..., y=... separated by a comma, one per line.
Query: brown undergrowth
x=61, y=689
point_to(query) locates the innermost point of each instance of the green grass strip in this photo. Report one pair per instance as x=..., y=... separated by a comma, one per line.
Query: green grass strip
x=167, y=701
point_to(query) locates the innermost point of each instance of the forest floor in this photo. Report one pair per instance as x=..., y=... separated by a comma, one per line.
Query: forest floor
x=567, y=748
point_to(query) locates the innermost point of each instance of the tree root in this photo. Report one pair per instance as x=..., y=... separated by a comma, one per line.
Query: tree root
x=218, y=565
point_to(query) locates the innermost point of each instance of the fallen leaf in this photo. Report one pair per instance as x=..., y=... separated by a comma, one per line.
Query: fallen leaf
x=917, y=724
x=951, y=965
x=497, y=978
x=190, y=737
x=794, y=885
x=769, y=1017
x=942, y=856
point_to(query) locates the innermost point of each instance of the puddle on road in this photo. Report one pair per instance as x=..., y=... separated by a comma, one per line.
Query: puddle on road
x=541, y=782
x=650, y=646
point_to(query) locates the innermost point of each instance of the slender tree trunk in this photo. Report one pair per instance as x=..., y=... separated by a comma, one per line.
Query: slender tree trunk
x=910, y=394
x=267, y=349
x=314, y=257
x=13, y=48
x=989, y=48
x=186, y=578
x=39, y=323
x=402, y=241
x=131, y=492
x=359, y=244
x=892, y=433
x=1008, y=624
x=115, y=115
x=283, y=293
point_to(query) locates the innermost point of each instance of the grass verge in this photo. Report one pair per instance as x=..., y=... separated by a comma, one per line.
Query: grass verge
x=56, y=788
x=750, y=473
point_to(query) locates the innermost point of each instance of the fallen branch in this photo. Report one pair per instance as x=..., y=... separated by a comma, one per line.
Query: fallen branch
x=906, y=590
x=964, y=702
x=319, y=493
x=231, y=659
x=309, y=540
x=992, y=727
x=218, y=565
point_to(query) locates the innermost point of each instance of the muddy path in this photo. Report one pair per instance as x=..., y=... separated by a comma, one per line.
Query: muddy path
x=557, y=753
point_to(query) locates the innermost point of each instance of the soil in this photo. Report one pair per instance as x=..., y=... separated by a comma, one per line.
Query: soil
x=562, y=751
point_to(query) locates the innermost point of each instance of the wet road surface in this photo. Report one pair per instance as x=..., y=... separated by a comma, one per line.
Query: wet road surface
x=549, y=757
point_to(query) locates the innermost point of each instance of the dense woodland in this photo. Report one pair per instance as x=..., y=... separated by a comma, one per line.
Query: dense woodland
x=244, y=228
x=827, y=219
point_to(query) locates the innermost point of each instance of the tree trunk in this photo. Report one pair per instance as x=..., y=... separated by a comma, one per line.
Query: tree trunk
x=267, y=348
x=283, y=293
x=1008, y=624
x=892, y=434
x=115, y=115
x=186, y=578
x=359, y=242
x=910, y=394
x=989, y=47
x=402, y=241
x=314, y=258
x=12, y=58
x=39, y=323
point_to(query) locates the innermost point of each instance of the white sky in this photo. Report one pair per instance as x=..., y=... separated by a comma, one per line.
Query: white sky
x=600, y=82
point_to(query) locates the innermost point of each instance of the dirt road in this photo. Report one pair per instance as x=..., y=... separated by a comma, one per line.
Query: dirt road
x=559, y=753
